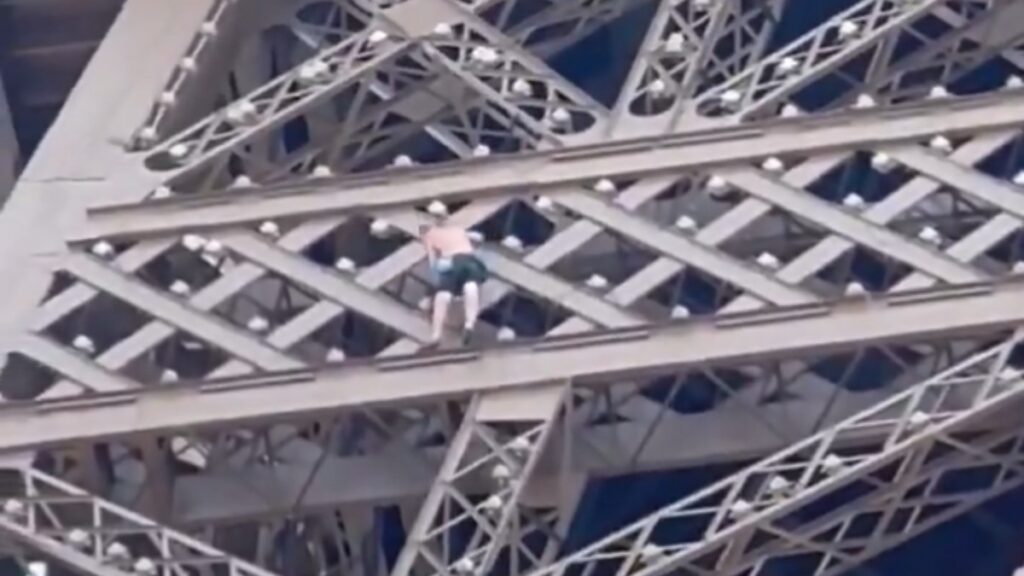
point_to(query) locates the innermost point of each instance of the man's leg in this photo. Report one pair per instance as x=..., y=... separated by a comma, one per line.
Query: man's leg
x=471, y=298
x=441, y=301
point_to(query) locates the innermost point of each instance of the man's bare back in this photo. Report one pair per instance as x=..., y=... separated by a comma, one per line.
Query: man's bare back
x=448, y=241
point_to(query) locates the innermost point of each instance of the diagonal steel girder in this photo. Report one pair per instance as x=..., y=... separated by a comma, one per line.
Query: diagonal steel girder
x=99, y=538
x=918, y=189
x=752, y=517
x=335, y=310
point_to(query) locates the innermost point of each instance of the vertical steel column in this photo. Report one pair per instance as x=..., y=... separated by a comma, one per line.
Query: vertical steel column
x=502, y=437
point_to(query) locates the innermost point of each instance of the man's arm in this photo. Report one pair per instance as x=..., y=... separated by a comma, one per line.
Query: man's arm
x=428, y=245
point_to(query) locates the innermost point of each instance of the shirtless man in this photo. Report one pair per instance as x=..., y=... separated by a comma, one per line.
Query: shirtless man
x=458, y=270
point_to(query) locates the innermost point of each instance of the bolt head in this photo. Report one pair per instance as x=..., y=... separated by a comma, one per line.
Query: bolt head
x=178, y=151
x=258, y=324
x=345, y=264
x=605, y=186
x=731, y=97
x=512, y=242
x=675, y=43
x=864, y=101
x=848, y=29
x=680, y=312
x=522, y=88
x=270, y=228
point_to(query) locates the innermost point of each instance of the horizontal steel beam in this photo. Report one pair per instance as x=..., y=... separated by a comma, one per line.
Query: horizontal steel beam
x=586, y=359
x=730, y=433
x=532, y=172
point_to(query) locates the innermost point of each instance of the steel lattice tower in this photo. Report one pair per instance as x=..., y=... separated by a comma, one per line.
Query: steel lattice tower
x=796, y=248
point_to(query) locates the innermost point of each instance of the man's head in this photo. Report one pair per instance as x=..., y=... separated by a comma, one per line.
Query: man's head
x=436, y=222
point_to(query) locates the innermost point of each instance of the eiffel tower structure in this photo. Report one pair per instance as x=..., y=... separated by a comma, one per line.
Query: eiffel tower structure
x=777, y=245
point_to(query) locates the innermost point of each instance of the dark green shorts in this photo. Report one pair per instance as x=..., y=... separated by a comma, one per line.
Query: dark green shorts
x=464, y=268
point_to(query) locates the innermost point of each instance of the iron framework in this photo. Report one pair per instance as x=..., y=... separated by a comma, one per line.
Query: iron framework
x=216, y=310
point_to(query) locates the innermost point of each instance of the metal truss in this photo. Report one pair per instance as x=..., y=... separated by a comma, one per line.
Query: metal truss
x=681, y=55
x=761, y=517
x=507, y=443
x=869, y=24
x=279, y=101
x=338, y=294
x=231, y=121
x=345, y=72
x=95, y=537
x=583, y=358
x=273, y=326
x=530, y=92
x=970, y=42
x=549, y=170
